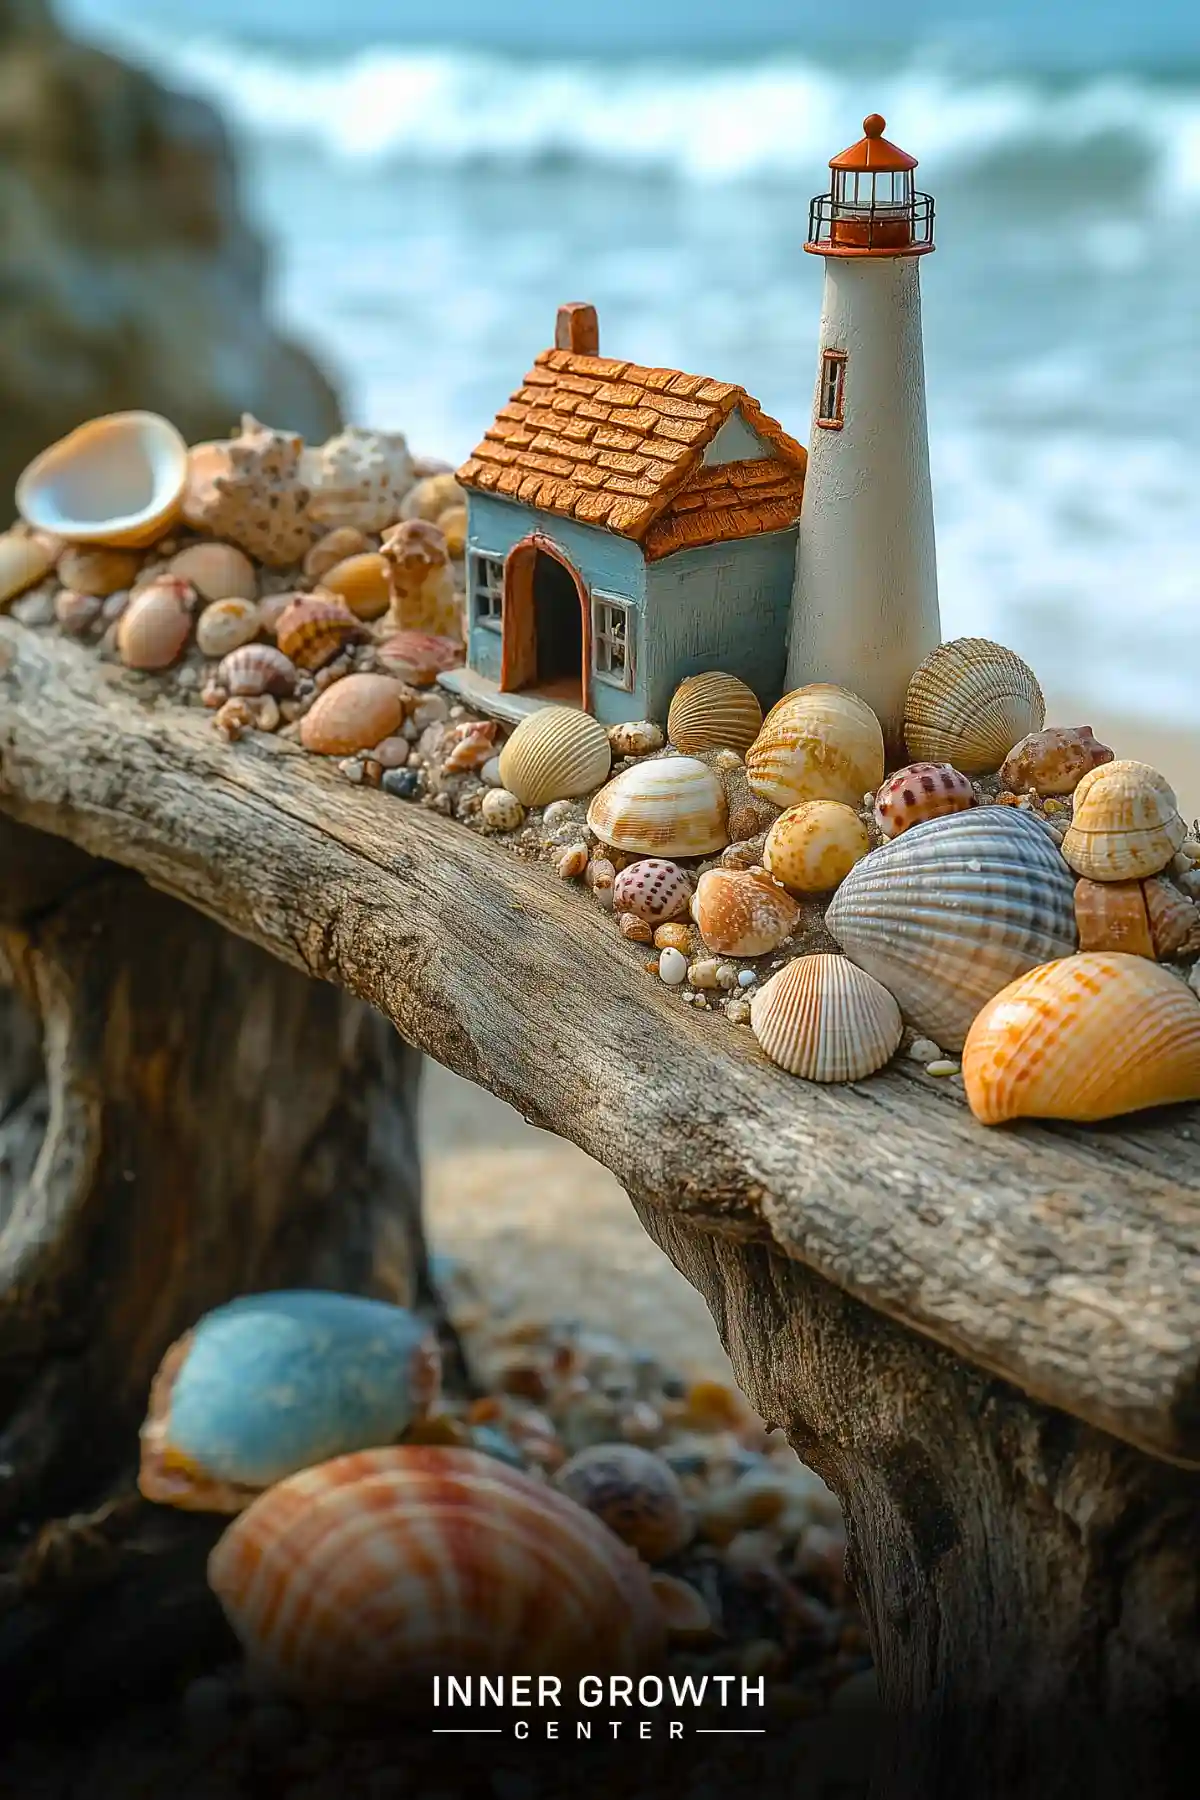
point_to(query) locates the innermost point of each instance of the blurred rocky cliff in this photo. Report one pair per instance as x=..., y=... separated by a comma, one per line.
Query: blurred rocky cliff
x=128, y=275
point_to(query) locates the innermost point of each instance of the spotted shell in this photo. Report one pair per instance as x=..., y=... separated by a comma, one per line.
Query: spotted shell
x=742, y=912
x=115, y=480
x=713, y=712
x=250, y=491
x=362, y=582
x=636, y=1494
x=24, y=560
x=919, y=792
x=314, y=628
x=418, y=657
x=812, y=847
x=1053, y=761
x=819, y=743
x=358, y=1580
x=824, y=1019
x=97, y=569
x=257, y=669
x=555, y=754
x=226, y=625
x=155, y=626
x=969, y=702
x=272, y=1383
x=1088, y=1037
x=358, y=478
x=1174, y=919
x=1111, y=915
x=652, y=889
x=947, y=914
x=668, y=806
x=1125, y=823
x=356, y=713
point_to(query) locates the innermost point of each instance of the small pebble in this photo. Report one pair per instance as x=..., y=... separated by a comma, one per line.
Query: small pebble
x=559, y=812
x=738, y=1012
x=924, y=1050
x=703, y=974
x=432, y=710
x=392, y=753
x=637, y=738
x=638, y=931
x=672, y=968
x=727, y=975
x=747, y=978
x=941, y=1065
x=502, y=811
x=114, y=606
x=76, y=613
x=403, y=783
x=208, y=1711
x=352, y=768
x=490, y=773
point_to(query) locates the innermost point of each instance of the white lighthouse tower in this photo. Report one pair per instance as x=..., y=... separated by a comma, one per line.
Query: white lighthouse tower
x=865, y=607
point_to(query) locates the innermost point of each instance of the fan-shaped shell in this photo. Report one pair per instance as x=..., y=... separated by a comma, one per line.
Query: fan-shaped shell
x=969, y=702
x=919, y=792
x=1088, y=1037
x=23, y=561
x=819, y=743
x=668, y=806
x=313, y=628
x=824, y=1019
x=1112, y=915
x=653, y=890
x=1053, y=761
x=273, y=1383
x=742, y=912
x=555, y=754
x=217, y=571
x=257, y=669
x=713, y=712
x=812, y=847
x=636, y=1494
x=947, y=914
x=155, y=626
x=419, y=657
x=1125, y=824
x=116, y=480
x=358, y=1580
x=356, y=713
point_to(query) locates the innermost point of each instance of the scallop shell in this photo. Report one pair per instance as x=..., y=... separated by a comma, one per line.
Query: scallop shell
x=1053, y=761
x=226, y=625
x=819, y=743
x=23, y=562
x=1111, y=915
x=354, y=714
x=358, y=1580
x=116, y=480
x=257, y=669
x=555, y=754
x=812, y=847
x=669, y=806
x=919, y=792
x=1125, y=824
x=157, y=623
x=713, y=712
x=273, y=1383
x=947, y=914
x=358, y=478
x=743, y=912
x=636, y=1493
x=99, y=570
x=419, y=657
x=1088, y=1037
x=313, y=628
x=969, y=702
x=362, y=582
x=251, y=492
x=653, y=890
x=216, y=571
x=824, y=1019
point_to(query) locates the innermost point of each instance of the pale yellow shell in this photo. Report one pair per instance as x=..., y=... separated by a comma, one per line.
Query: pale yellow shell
x=555, y=754
x=812, y=847
x=362, y=582
x=1125, y=824
x=713, y=711
x=116, y=480
x=819, y=743
x=969, y=702
x=824, y=1019
x=23, y=561
x=217, y=571
x=668, y=806
x=1088, y=1037
x=226, y=625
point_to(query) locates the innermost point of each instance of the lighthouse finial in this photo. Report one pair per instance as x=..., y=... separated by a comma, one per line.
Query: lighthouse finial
x=873, y=125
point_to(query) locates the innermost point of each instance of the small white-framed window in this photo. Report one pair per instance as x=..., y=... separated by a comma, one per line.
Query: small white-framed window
x=487, y=590
x=612, y=641
x=831, y=408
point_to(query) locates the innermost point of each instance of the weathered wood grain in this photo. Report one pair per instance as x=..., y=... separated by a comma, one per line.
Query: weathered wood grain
x=1067, y=1261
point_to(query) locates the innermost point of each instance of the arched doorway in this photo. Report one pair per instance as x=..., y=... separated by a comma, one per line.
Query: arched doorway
x=546, y=626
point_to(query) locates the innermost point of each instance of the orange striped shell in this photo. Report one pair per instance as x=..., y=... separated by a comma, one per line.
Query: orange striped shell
x=358, y=1580
x=314, y=627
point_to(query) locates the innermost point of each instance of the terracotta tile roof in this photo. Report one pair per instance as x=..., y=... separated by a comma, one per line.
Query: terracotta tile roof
x=616, y=445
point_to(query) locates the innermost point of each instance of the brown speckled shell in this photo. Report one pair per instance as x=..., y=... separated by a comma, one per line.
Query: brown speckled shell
x=1053, y=761
x=314, y=628
x=741, y=912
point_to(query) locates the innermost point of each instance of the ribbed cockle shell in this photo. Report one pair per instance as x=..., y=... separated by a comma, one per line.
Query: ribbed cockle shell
x=819, y=743
x=824, y=1019
x=314, y=627
x=636, y=1494
x=666, y=806
x=555, y=754
x=653, y=890
x=1125, y=823
x=713, y=712
x=969, y=702
x=743, y=912
x=418, y=657
x=257, y=669
x=919, y=792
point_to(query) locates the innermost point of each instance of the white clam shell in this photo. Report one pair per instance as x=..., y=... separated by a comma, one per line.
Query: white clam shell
x=969, y=702
x=116, y=480
x=670, y=806
x=824, y=1019
x=953, y=910
x=555, y=754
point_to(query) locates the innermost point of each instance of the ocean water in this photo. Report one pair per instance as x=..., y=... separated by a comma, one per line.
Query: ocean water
x=435, y=185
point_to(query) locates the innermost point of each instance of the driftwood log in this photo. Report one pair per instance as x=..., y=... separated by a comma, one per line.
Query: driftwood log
x=987, y=1341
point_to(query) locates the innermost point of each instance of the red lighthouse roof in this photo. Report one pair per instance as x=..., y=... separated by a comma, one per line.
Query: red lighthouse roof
x=873, y=151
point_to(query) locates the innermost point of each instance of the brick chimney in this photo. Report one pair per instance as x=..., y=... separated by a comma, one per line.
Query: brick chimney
x=578, y=329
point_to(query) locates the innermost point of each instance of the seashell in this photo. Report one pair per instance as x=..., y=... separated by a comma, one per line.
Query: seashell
x=819, y=743
x=502, y=811
x=356, y=713
x=314, y=627
x=1111, y=915
x=453, y=526
x=1052, y=761
x=433, y=496
x=919, y=792
x=272, y=1383
x=76, y=613
x=358, y=478
x=357, y=1580
x=671, y=806
x=362, y=582
x=555, y=754
x=712, y=712
x=652, y=890
x=1174, y=919
x=1125, y=823
x=672, y=966
x=636, y=1493
x=418, y=657
x=637, y=737
x=257, y=669
x=24, y=561
x=685, y=1611
x=824, y=1019
x=947, y=914
x=157, y=623
x=335, y=547
x=200, y=496
x=471, y=744
x=1088, y=1037
x=251, y=492
x=969, y=703
x=216, y=571
x=226, y=625
x=97, y=569
x=423, y=595
x=116, y=480
x=812, y=847
x=743, y=912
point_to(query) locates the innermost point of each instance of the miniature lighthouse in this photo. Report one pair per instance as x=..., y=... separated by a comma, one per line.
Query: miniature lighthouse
x=865, y=608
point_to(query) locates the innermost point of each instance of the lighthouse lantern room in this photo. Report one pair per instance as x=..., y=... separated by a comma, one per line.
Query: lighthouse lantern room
x=872, y=208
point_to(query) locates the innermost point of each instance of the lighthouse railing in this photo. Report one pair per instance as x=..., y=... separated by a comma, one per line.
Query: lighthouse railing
x=839, y=225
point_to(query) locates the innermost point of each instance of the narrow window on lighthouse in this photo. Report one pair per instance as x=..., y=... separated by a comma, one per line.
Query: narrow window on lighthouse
x=832, y=410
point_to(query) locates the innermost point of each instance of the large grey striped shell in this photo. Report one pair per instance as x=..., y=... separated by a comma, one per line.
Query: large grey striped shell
x=955, y=909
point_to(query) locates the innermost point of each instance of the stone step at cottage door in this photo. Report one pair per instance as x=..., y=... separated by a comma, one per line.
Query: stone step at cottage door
x=546, y=626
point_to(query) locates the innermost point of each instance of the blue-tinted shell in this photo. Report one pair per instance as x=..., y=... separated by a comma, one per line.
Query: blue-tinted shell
x=272, y=1383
